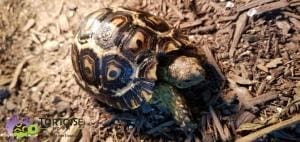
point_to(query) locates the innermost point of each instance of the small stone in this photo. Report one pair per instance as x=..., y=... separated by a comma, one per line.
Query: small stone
x=252, y=12
x=51, y=45
x=229, y=4
x=279, y=109
x=34, y=89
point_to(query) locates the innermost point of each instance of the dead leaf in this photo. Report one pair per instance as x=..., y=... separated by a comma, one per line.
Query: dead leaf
x=274, y=63
x=249, y=127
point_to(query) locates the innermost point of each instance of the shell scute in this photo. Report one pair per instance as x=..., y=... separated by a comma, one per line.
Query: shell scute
x=114, y=55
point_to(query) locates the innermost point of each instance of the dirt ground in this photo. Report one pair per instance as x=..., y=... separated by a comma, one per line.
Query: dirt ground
x=253, y=44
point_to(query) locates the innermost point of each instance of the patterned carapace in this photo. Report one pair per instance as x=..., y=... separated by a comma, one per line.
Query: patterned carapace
x=115, y=51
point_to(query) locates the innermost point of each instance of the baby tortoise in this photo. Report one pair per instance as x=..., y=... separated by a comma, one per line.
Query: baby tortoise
x=126, y=58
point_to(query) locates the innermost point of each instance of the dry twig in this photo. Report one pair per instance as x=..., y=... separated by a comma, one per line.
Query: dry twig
x=218, y=125
x=272, y=6
x=253, y=136
x=17, y=72
x=253, y=4
x=239, y=29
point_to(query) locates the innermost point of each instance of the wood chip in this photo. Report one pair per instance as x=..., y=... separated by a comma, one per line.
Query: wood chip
x=278, y=72
x=244, y=71
x=218, y=124
x=30, y=23
x=240, y=80
x=283, y=124
x=18, y=71
x=62, y=106
x=261, y=87
x=63, y=23
x=284, y=26
x=244, y=118
x=59, y=7
x=205, y=29
x=217, y=7
x=51, y=45
x=296, y=23
x=5, y=80
x=253, y=4
x=239, y=29
x=211, y=60
x=262, y=67
x=274, y=63
x=261, y=99
x=175, y=9
x=109, y=139
x=229, y=18
x=294, y=3
x=36, y=97
x=10, y=105
x=73, y=132
x=86, y=134
x=291, y=15
x=192, y=24
x=243, y=93
x=272, y=6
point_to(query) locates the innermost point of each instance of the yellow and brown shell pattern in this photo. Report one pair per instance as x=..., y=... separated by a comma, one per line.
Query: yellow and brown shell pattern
x=114, y=55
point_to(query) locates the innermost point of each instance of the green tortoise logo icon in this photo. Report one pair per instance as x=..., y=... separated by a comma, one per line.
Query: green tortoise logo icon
x=21, y=129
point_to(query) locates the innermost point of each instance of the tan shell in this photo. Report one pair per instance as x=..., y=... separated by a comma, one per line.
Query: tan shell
x=115, y=51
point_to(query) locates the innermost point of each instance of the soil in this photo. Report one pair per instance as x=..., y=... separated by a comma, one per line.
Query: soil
x=253, y=52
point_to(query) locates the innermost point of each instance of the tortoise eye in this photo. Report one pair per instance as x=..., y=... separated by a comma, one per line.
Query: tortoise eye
x=113, y=72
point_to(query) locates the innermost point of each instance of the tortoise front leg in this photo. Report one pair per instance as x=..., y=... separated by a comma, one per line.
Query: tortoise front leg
x=172, y=101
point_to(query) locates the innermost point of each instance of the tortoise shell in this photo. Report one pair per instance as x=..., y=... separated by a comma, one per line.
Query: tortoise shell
x=115, y=55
